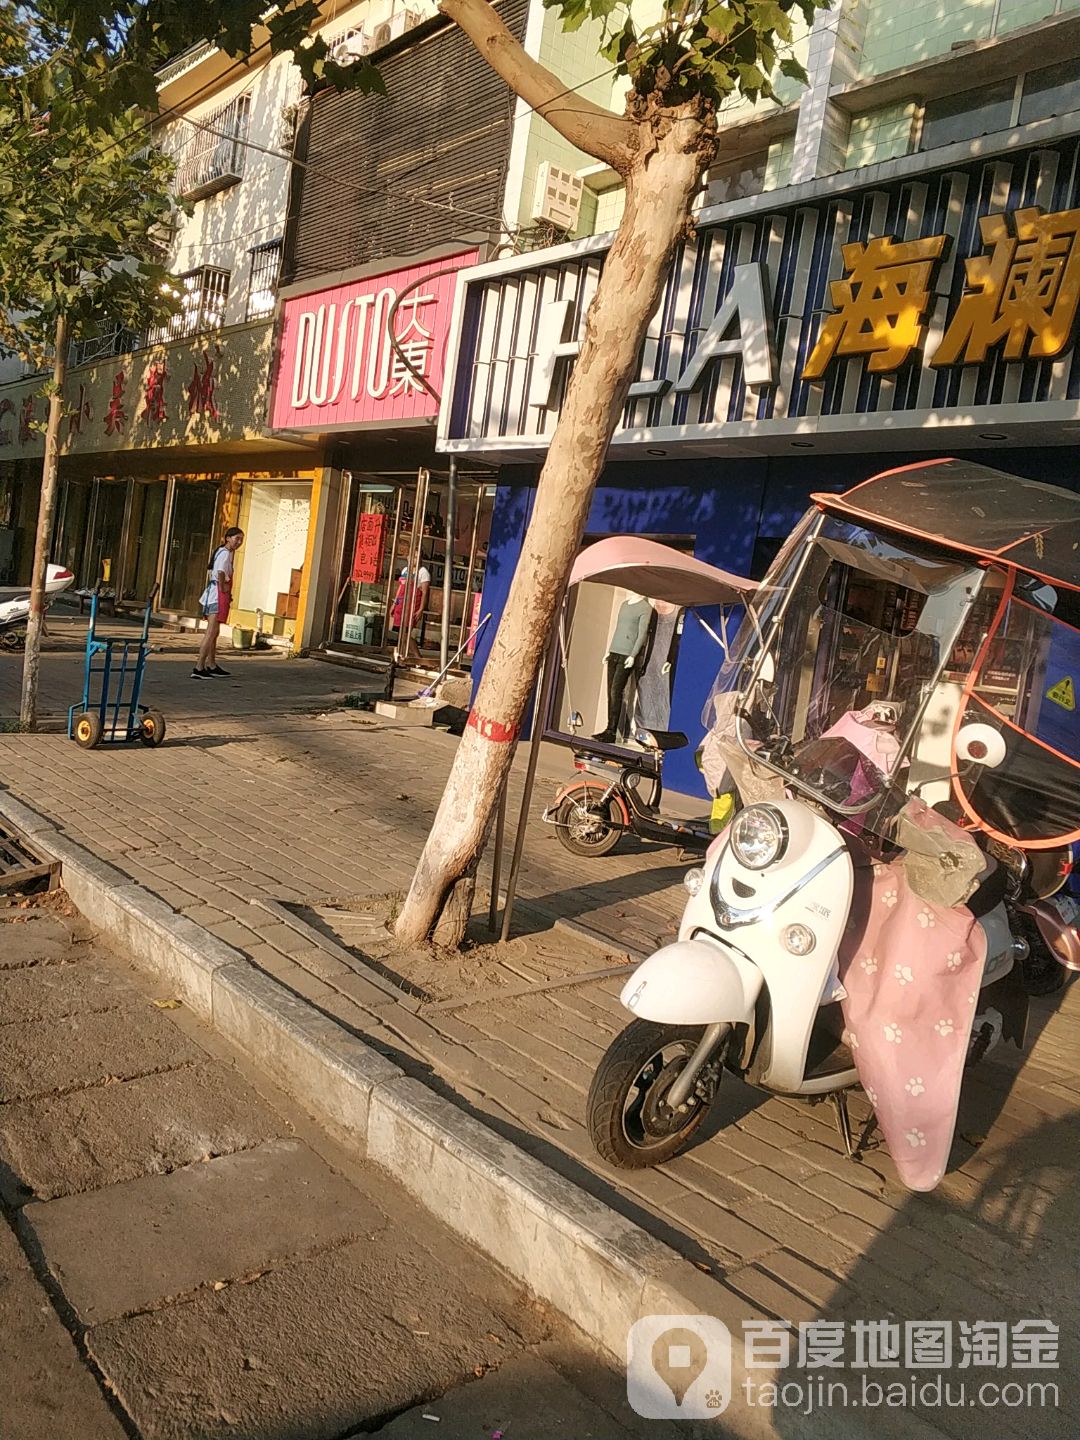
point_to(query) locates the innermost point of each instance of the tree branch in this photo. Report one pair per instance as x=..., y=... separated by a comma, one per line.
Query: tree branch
x=592, y=128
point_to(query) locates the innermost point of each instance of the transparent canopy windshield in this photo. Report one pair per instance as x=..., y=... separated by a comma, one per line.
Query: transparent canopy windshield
x=840, y=656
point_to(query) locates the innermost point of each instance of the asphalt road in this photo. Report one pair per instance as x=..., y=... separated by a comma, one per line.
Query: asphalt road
x=185, y=1256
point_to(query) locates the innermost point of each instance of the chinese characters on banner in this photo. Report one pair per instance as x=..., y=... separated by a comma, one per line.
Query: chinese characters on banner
x=201, y=389
x=116, y=415
x=154, y=410
x=370, y=540
x=1024, y=291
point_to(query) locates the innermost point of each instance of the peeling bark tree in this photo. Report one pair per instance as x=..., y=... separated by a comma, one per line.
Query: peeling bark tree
x=661, y=147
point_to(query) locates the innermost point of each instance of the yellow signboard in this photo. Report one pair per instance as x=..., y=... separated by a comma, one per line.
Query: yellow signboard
x=1063, y=693
x=1022, y=294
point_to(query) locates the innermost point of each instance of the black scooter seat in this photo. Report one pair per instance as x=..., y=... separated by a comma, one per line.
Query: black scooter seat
x=662, y=739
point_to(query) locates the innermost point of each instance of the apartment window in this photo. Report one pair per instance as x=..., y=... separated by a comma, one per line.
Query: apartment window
x=1049, y=92
x=203, y=294
x=214, y=156
x=737, y=179
x=967, y=115
x=263, y=279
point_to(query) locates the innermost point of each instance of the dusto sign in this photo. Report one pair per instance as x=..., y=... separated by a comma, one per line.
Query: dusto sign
x=337, y=366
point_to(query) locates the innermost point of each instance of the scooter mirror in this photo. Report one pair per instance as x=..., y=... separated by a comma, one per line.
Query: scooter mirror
x=981, y=744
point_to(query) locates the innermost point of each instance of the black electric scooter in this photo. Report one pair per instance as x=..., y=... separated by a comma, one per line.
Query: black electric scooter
x=621, y=796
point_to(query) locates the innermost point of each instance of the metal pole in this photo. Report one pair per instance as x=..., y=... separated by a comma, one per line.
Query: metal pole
x=540, y=711
x=496, y=862
x=416, y=548
x=466, y=612
x=448, y=573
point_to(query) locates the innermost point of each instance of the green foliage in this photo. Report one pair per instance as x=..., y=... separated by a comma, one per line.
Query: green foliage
x=697, y=47
x=84, y=196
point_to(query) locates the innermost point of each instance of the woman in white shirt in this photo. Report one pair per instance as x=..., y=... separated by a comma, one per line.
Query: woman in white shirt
x=215, y=601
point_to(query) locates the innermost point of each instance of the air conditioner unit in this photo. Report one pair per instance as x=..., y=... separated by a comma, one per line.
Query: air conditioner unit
x=383, y=34
x=351, y=46
x=558, y=196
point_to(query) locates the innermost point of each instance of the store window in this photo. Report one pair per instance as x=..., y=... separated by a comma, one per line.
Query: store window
x=617, y=670
x=274, y=516
x=384, y=551
x=969, y=114
x=192, y=524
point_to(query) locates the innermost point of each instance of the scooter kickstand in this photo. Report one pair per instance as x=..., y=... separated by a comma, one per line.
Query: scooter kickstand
x=843, y=1120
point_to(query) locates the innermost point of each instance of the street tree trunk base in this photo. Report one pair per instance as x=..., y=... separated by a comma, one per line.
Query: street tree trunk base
x=457, y=909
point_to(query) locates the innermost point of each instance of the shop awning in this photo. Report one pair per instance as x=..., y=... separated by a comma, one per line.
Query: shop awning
x=658, y=572
x=1000, y=518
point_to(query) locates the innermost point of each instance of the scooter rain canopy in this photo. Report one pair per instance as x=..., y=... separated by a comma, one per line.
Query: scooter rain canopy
x=970, y=508
x=658, y=572
x=1016, y=746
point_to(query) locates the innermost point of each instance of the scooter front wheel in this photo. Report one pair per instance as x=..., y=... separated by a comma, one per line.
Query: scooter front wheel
x=585, y=827
x=629, y=1122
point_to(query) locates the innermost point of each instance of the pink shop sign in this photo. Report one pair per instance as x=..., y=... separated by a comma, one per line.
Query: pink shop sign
x=336, y=365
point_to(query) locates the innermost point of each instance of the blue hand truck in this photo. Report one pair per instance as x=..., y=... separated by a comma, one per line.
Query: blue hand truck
x=110, y=711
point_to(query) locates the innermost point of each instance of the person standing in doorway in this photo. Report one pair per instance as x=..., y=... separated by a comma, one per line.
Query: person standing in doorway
x=215, y=601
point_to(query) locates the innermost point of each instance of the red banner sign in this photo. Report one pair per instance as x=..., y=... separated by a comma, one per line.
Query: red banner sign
x=370, y=539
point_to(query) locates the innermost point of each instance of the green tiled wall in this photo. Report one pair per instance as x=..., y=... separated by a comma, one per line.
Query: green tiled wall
x=778, y=169
x=899, y=34
x=880, y=134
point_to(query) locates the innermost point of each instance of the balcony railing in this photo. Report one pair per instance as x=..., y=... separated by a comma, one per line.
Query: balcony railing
x=110, y=342
x=214, y=158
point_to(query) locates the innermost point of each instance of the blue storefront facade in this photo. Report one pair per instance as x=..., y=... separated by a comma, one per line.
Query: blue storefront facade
x=806, y=340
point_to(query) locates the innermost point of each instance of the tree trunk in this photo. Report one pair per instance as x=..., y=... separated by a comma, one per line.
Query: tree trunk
x=43, y=540
x=674, y=145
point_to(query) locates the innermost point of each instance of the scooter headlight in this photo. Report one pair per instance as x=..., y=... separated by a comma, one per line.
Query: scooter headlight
x=694, y=879
x=759, y=836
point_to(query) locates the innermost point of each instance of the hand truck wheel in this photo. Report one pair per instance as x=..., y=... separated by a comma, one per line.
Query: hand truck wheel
x=152, y=727
x=87, y=729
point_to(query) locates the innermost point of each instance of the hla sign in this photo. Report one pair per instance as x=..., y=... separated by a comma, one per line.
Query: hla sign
x=1022, y=295
x=742, y=326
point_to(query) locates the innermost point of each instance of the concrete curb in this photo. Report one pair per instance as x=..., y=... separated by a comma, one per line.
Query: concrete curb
x=570, y=1249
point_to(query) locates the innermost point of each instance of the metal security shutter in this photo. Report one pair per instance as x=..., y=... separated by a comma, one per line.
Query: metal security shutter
x=441, y=134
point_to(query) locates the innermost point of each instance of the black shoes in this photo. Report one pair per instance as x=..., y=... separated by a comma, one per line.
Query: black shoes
x=217, y=670
x=210, y=674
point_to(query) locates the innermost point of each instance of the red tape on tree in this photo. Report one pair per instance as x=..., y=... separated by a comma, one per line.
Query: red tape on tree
x=493, y=730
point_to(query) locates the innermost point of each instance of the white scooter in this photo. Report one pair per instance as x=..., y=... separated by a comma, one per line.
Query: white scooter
x=750, y=986
x=15, y=605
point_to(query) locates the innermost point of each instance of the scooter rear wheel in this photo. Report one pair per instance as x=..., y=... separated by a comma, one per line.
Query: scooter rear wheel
x=585, y=827
x=628, y=1121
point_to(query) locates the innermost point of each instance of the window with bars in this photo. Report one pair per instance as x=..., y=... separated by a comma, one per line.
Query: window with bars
x=263, y=279
x=203, y=295
x=214, y=156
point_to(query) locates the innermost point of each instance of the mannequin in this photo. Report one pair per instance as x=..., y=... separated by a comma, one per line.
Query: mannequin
x=626, y=643
x=658, y=671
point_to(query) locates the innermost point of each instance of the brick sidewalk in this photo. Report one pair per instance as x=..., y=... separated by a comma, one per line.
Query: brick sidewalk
x=301, y=809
